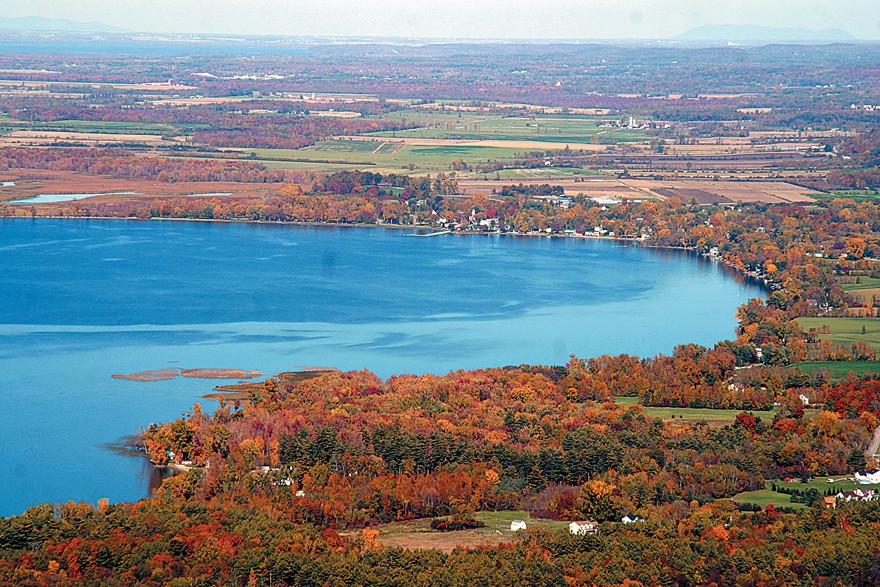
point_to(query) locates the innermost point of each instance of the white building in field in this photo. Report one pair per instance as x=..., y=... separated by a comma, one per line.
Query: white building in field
x=517, y=525
x=869, y=477
x=583, y=527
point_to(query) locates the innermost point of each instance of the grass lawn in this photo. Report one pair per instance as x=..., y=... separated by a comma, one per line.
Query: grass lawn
x=846, y=330
x=766, y=496
x=839, y=369
x=417, y=534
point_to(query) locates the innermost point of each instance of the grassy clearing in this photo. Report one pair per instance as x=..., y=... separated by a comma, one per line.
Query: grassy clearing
x=719, y=417
x=766, y=496
x=417, y=534
x=846, y=330
x=839, y=369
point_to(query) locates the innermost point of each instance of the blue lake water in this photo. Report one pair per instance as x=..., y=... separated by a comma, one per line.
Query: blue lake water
x=81, y=300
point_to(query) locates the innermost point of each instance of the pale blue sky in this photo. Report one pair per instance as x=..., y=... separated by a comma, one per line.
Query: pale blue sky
x=560, y=19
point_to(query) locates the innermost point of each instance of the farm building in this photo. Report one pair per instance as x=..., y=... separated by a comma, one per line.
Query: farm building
x=584, y=527
x=517, y=525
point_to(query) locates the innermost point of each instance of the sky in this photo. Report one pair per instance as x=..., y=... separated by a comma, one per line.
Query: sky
x=483, y=19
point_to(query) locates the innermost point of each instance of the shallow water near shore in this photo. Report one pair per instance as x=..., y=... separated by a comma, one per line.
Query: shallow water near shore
x=81, y=300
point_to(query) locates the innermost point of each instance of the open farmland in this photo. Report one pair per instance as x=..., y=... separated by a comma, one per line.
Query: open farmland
x=30, y=184
x=383, y=156
x=20, y=138
x=846, y=331
x=705, y=192
x=839, y=369
x=530, y=129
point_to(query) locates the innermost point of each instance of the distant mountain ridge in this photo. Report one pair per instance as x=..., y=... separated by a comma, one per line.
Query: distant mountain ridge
x=40, y=23
x=749, y=32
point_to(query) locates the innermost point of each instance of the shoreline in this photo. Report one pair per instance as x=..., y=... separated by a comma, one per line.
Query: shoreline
x=762, y=282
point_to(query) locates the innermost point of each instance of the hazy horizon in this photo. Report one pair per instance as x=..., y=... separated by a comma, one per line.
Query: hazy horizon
x=463, y=19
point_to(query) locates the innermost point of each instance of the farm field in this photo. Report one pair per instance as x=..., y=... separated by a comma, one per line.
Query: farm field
x=846, y=331
x=417, y=534
x=866, y=288
x=538, y=128
x=617, y=189
x=30, y=184
x=857, y=195
x=384, y=156
x=52, y=137
x=839, y=369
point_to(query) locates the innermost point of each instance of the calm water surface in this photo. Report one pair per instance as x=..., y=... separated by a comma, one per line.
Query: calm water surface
x=81, y=300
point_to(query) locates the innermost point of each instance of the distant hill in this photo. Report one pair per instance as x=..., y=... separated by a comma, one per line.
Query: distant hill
x=39, y=23
x=747, y=33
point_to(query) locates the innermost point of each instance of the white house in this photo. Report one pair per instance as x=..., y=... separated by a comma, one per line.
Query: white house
x=584, y=527
x=805, y=400
x=517, y=525
x=632, y=519
x=856, y=495
x=869, y=477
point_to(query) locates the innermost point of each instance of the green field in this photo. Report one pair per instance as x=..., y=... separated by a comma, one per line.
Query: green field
x=846, y=330
x=417, y=534
x=694, y=414
x=380, y=156
x=858, y=195
x=763, y=497
x=539, y=173
x=100, y=126
x=474, y=127
x=839, y=369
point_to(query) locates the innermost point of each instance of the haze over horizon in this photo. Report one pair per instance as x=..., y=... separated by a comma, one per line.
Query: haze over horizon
x=463, y=19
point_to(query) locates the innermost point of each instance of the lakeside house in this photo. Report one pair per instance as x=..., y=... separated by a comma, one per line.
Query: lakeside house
x=583, y=527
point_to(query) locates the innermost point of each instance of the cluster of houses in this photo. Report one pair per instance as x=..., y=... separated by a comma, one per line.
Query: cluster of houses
x=854, y=495
x=580, y=528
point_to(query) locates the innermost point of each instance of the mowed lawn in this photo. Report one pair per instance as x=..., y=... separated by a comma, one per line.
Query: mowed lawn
x=846, y=330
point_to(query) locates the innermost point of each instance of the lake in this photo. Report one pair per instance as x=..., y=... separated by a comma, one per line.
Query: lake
x=81, y=300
